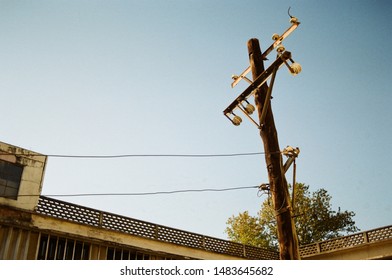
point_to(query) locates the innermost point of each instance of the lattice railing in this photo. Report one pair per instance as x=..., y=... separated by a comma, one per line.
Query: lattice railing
x=348, y=241
x=125, y=224
x=84, y=215
x=68, y=211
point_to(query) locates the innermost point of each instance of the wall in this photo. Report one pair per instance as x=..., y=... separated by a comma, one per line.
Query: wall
x=32, y=176
x=20, y=233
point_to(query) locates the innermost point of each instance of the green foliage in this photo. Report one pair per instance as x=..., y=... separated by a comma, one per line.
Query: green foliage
x=247, y=230
x=313, y=216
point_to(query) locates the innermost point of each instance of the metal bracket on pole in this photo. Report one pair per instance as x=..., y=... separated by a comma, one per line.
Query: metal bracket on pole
x=242, y=76
x=292, y=154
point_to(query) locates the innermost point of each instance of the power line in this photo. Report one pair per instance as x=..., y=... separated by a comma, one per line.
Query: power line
x=158, y=155
x=147, y=193
x=144, y=155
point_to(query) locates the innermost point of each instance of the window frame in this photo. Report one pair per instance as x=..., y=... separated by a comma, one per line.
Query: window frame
x=10, y=179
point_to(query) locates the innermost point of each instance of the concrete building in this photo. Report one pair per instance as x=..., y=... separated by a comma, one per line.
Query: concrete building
x=34, y=227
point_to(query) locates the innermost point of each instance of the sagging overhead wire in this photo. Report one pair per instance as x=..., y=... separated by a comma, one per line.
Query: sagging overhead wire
x=147, y=155
x=148, y=193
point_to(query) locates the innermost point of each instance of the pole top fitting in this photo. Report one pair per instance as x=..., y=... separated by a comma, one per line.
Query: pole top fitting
x=291, y=152
x=293, y=20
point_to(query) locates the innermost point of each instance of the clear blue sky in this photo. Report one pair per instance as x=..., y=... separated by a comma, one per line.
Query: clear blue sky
x=153, y=77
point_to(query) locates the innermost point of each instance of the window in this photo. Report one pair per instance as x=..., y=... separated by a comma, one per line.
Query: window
x=120, y=254
x=56, y=248
x=125, y=254
x=10, y=176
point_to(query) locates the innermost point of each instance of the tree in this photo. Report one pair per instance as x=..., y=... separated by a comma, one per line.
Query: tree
x=313, y=216
x=247, y=230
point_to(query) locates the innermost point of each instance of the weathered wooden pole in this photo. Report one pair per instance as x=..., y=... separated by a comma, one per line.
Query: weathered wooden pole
x=287, y=238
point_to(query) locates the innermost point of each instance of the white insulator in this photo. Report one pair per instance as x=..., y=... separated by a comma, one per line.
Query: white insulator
x=295, y=68
x=293, y=20
x=275, y=36
x=250, y=109
x=237, y=120
x=280, y=49
x=290, y=151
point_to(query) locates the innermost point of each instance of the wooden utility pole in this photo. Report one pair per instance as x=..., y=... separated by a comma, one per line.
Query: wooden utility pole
x=287, y=238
